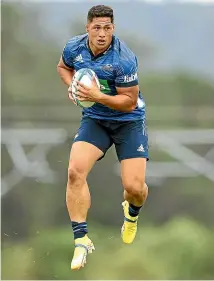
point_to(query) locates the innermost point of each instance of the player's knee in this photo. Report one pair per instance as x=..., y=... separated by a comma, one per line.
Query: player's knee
x=75, y=176
x=135, y=187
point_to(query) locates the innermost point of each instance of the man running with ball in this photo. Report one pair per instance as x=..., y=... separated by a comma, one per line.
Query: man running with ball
x=117, y=117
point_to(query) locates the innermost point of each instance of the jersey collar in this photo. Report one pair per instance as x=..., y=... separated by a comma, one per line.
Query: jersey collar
x=101, y=54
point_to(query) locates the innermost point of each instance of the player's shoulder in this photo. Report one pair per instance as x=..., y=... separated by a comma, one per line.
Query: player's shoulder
x=124, y=53
x=76, y=42
x=73, y=48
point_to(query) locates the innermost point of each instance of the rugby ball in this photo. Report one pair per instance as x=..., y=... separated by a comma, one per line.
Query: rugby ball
x=84, y=75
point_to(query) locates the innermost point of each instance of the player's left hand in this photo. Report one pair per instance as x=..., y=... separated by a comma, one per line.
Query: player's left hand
x=86, y=93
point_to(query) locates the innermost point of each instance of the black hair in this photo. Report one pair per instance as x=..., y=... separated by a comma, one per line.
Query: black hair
x=100, y=11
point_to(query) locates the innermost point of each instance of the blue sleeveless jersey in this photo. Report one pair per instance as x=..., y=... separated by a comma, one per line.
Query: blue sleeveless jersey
x=116, y=67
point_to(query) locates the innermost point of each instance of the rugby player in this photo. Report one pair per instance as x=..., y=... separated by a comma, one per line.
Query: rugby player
x=118, y=117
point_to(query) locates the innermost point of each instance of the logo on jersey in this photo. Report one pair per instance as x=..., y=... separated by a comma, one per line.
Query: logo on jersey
x=107, y=67
x=78, y=58
x=104, y=87
x=130, y=78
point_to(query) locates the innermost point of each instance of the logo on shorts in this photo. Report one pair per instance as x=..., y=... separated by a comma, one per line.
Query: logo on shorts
x=76, y=136
x=141, y=148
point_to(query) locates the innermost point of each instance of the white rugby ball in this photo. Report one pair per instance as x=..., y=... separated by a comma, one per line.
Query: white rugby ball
x=84, y=75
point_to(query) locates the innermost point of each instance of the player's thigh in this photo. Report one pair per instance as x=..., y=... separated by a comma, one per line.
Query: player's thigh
x=90, y=144
x=133, y=172
x=83, y=156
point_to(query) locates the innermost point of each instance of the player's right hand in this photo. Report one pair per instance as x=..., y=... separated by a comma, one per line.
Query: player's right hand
x=70, y=95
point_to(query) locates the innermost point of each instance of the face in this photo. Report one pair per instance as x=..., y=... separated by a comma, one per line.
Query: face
x=100, y=32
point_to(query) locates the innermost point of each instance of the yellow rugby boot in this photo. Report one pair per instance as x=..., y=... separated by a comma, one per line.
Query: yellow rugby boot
x=129, y=228
x=83, y=247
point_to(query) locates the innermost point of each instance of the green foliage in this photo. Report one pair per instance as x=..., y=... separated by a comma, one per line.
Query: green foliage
x=180, y=89
x=29, y=65
x=181, y=249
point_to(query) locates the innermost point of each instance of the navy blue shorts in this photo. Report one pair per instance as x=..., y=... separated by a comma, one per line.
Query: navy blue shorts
x=129, y=137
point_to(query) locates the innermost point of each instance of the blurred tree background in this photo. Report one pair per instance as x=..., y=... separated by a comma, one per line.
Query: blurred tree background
x=175, y=238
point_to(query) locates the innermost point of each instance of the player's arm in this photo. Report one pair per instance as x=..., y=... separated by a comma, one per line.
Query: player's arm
x=65, y=67
x=125, y=100
x=65, y=72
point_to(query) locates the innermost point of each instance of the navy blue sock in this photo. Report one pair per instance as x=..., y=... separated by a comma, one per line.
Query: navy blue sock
x=133, y=210
x=79, y=229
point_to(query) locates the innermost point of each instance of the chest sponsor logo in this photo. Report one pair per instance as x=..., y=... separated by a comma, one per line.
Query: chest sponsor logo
x=107, y=67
